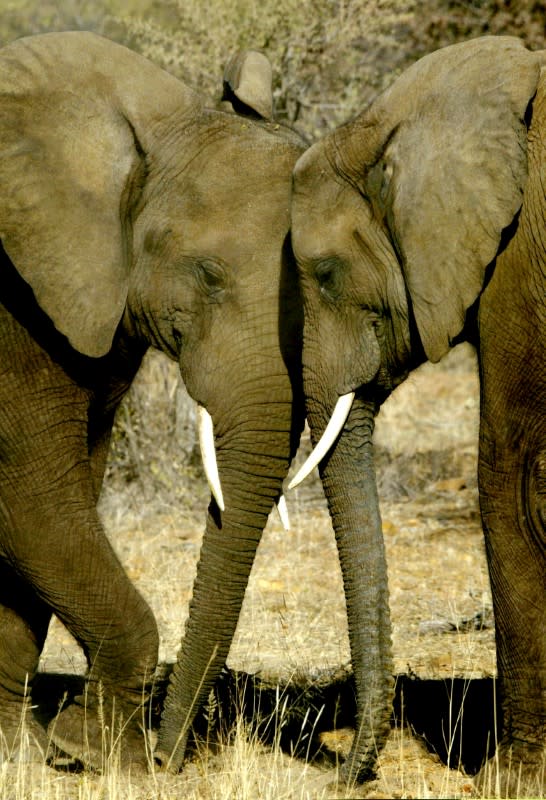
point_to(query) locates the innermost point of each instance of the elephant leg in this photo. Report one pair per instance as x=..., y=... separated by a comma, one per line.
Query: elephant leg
x=513, y=502
x=24, y=621
x=512, y=483
x=115, y=627
x=119, y=636
x=59, y=546
x=75, y=571
x=118, y=633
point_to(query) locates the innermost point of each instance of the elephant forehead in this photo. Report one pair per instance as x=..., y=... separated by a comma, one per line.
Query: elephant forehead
x=236, y=202
x=228, y=152
x=325, y=225
x=233, y=241
x=230, y=198
x=234, y=215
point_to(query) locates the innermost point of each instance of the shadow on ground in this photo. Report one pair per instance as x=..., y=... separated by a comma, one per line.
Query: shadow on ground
x=456, y=718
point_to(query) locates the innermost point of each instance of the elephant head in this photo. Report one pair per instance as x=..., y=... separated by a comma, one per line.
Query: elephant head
x=397, y=218
x=139, y=217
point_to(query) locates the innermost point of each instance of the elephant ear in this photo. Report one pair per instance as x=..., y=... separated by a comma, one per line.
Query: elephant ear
x=452, y=174
x=80, y=119
x=247, y=84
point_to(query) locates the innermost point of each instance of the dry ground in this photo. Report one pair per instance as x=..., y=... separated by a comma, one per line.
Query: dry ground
x=293, y=620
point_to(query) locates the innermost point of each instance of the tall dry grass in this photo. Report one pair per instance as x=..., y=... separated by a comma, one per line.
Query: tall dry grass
x=236, y=766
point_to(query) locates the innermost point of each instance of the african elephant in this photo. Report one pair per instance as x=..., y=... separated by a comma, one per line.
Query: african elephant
x=419, y=224
x=132, y=216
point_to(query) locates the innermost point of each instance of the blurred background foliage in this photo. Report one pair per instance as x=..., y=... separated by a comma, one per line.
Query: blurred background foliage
x=329, y=58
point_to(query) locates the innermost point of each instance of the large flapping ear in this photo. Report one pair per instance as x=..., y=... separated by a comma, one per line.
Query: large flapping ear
x=452, y=172
x=248, y=84
x=79, y=118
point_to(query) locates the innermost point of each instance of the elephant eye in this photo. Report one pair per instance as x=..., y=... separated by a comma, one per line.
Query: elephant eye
x=329, y=274
x=212, y=277
x=374, y=317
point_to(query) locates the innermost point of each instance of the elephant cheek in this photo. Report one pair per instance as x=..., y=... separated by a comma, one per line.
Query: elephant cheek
x=361, y=361
x=351, y=361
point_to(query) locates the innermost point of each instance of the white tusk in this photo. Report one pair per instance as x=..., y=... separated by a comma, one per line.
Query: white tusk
x=331, y=432
x=208, y=454
x=283, y=512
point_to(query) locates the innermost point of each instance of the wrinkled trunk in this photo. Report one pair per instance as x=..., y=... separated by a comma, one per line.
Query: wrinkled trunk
x=253, y=458
x=348, y=478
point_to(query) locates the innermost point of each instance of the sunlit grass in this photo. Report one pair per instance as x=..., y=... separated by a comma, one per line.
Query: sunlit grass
x=235, y=766
x=238, y=766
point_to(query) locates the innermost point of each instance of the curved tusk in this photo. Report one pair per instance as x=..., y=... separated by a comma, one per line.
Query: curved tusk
x=208, y=454
x=331, y=432
x=283, y=512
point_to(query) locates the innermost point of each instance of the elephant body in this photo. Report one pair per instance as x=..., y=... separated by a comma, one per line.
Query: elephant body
x=133, y=216
x=512, y=468
x=420, y=224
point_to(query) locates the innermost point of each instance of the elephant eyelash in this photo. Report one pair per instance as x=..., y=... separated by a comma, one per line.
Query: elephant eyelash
x=212, y=278
x=374, y=318
x=329, y=275
x=328, y=294
x=371, y=311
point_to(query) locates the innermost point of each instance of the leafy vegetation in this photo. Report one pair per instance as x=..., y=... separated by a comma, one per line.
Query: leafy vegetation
x=330, y=57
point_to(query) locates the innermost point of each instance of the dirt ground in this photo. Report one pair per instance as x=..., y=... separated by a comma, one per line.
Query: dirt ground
x=293, y=620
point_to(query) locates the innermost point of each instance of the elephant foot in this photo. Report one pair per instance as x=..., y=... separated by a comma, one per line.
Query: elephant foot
x=358, y=768
x=22, y=738
x=103, y=733
x=349, y=773
x=516, y=770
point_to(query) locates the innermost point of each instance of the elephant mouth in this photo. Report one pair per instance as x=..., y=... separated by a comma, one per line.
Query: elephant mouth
x=210, y=465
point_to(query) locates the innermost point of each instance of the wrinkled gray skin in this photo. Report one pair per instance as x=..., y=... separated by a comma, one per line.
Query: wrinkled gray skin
x=419, y=224
x=132, y=216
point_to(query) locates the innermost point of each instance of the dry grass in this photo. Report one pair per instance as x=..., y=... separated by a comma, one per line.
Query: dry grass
x=239, y=767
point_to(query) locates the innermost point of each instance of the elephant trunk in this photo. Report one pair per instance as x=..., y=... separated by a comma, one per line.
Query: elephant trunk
x=252, y=461
x=348, y=478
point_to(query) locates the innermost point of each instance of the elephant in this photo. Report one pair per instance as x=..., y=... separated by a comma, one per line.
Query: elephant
x=417, y=225
x=134, y=216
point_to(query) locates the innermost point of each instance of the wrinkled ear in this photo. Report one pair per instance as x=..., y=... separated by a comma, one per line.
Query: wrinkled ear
x=78, y=118
x=452, y=174
x=247, y=84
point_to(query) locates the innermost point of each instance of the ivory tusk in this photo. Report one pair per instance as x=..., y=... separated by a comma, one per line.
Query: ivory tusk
x=208, y=454
x=331, y=432
x=283, y=512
